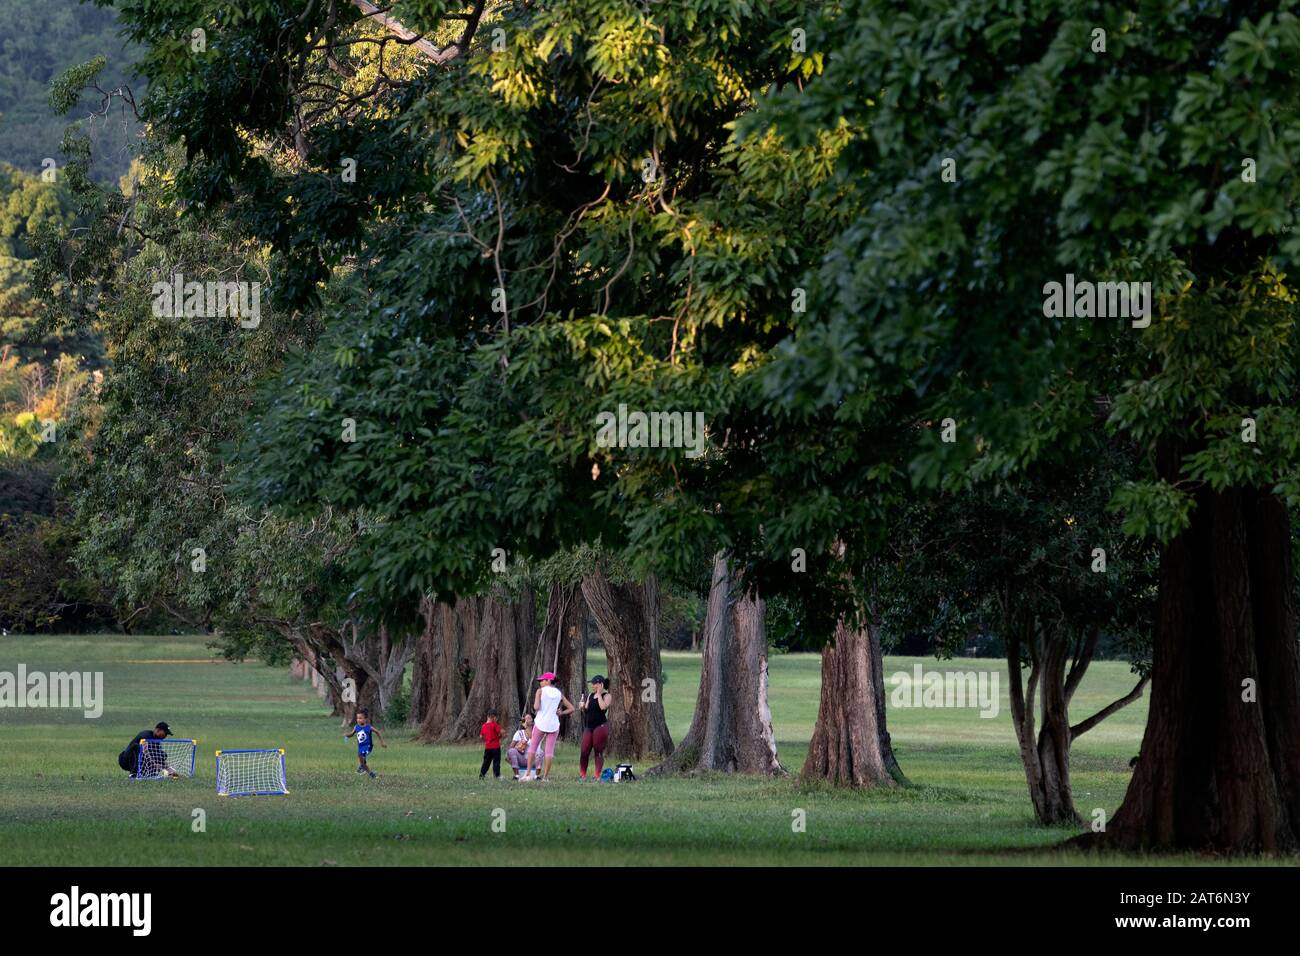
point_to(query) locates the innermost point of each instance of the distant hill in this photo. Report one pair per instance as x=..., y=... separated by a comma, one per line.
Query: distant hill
x=37, y=42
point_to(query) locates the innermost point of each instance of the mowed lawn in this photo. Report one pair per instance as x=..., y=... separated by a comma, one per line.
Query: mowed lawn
x=63, y=800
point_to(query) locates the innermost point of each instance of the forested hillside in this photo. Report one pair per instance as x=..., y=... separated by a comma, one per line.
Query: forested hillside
x=45, y=371
x=39, y=41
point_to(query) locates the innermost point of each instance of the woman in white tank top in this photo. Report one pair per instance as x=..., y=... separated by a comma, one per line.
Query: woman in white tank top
x=546, y=725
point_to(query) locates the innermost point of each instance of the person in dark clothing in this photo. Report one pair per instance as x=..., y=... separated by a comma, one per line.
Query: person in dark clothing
x=595, y=726
x=154, y=761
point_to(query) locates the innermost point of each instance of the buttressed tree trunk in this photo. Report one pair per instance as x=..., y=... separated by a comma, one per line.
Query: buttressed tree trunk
x=562, y=649
x=422, y=665
x=445, y=631
x=1219, y=767
x=850, y=746
x=502, y=620
x=732, y=727
x=627, y=618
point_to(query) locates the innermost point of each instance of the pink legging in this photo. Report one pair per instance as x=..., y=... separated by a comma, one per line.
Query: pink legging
x=536, y=739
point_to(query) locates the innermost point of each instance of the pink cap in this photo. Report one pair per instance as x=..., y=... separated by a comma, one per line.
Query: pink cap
x=549, y=675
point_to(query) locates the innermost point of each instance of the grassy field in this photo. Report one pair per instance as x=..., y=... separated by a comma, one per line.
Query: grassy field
x=64, y=800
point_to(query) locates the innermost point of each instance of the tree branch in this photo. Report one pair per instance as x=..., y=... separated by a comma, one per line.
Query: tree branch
x=1079, y=666
x=1109, y=709
x=416, y=40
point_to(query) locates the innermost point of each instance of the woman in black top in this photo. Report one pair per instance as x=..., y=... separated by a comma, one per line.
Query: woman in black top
x=595, y=726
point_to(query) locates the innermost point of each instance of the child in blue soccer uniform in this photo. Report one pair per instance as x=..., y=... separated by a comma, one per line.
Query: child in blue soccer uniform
x=365, y=734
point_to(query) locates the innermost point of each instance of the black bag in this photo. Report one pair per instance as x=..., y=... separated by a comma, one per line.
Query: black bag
x=623, y=773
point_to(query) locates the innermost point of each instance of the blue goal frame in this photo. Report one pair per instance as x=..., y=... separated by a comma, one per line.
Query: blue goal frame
x=284, y=780
x=145, y=741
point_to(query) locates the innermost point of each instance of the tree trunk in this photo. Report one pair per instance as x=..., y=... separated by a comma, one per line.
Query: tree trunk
x=368, y=698
x=563, y=649
x=352, y=689
x=381, y=659
x=1055, y=803
x=1046, y=759
x=1045, y=756
x=323, y=648
x=1054, y=800
x=329, y=678
x=882, y=730
x=1219, y=771
x=850, y=746
x=732, y=727
x=502, y=621
x=422, y=668
x=445, y=630
x=627, y=618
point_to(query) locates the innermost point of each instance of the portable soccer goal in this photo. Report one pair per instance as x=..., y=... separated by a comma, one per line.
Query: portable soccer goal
x=250, y=773
x=157, y=759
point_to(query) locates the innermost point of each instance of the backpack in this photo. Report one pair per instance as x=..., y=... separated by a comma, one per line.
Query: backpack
x=607, y=776
x=623, y=773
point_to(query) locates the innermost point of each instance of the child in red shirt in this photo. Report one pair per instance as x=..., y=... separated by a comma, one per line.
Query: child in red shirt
x=491, y=733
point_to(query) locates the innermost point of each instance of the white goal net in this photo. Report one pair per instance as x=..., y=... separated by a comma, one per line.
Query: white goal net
x=157, y=759
x=244, y=773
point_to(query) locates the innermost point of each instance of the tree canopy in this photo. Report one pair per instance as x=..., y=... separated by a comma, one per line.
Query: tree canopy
x=1013, y=273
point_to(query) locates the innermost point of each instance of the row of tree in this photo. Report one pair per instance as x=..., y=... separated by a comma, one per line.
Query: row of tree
x=828, y=230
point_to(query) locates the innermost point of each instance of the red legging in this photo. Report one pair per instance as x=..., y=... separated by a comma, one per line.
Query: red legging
x=594, y=740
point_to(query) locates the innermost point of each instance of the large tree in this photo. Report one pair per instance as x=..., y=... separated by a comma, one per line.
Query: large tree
x=732, y=727
x=850, y=745
x=627, y=618
x=1043, y=566
x=1100, y=143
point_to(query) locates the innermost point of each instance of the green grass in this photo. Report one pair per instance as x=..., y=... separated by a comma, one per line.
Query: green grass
x=64, y=800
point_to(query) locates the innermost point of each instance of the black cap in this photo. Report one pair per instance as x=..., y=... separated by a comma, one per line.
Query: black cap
x=167, y=731
x=599, y=678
